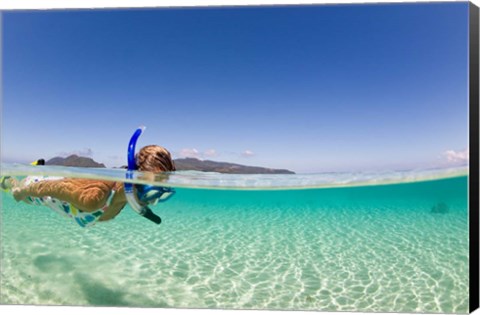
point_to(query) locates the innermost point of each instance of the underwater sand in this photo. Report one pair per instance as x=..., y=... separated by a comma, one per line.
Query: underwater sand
x=384, y=248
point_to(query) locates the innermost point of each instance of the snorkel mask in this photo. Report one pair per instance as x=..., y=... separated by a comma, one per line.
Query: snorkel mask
x=147, y=194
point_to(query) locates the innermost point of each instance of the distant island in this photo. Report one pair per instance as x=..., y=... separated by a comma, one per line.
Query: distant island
x=223, y=167
x=186, y=164
x=74, y=160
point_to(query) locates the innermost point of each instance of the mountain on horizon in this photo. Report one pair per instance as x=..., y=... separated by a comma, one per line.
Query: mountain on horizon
x=74, y=160
x=182, y=164
x=194, y=164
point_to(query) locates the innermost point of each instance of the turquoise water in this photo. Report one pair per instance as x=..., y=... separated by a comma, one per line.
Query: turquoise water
x=356, y=246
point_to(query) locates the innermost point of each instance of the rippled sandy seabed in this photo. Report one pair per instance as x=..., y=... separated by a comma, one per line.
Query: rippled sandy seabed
x=378, y=248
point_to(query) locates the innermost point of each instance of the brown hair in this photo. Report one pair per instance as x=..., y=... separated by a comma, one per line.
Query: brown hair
x=154, y=158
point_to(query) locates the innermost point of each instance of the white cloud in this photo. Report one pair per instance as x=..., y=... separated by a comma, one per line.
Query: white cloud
x=453, y=156
x=210, y=153
x=86, y=152
x=248, y=153
x=194, y=153
x=189, y=153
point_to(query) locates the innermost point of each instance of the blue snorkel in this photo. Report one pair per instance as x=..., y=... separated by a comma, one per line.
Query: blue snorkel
x=142, y=210
x=132, y=164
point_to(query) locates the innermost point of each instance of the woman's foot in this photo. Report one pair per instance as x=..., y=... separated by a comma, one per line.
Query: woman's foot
x=7, y=183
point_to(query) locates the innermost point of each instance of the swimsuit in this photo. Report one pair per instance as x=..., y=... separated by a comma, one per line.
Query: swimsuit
x=82, y=218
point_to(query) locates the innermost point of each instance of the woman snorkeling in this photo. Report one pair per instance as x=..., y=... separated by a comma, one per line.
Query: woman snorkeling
x=88, y=201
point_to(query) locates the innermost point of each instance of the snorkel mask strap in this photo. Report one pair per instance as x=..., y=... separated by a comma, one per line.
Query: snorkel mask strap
x=144, y=211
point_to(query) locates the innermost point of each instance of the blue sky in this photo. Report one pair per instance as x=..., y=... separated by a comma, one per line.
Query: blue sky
x=312, y=88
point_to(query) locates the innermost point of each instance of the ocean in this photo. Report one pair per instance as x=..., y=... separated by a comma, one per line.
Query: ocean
x=367, y=242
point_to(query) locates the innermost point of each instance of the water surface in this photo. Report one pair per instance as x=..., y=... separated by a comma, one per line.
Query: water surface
x=389, y=242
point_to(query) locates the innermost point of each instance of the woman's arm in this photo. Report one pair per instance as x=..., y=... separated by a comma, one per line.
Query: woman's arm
x=85, y=194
